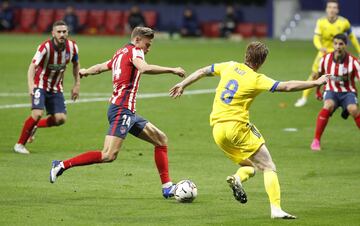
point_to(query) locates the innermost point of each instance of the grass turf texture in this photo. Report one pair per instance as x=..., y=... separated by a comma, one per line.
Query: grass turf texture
x=320, y=188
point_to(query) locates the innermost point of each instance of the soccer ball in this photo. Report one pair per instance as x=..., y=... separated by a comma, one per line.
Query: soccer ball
x=185, y=191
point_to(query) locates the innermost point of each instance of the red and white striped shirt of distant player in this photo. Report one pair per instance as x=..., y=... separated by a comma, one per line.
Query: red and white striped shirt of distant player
x=125, y=76
x=51, y=64
x=342, y=75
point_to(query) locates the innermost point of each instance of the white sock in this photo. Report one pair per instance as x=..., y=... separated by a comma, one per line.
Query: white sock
x=167, y=184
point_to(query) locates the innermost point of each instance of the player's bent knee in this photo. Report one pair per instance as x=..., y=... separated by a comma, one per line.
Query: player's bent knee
x=353, y=111
x=329, y=105
x=36, y=115
x=60, y=120
x=163, y=139
x=270, y=166
x=267, y=166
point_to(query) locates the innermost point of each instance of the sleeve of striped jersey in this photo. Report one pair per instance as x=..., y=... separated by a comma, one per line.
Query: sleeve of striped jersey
x=109, y=64
x=138, y=53
x=218, y=67
x=357, y=69
x=265, y=83
x=321, y=68
x=39, y=55
x=75, y=57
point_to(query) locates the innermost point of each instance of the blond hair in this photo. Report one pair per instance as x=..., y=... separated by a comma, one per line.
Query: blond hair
x=255, y=55
x=143, y=32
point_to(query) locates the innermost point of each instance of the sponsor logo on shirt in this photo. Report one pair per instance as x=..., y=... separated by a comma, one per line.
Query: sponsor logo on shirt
x=57, y=67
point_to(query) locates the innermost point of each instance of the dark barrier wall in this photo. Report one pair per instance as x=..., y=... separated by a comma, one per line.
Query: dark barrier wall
x=170, y=15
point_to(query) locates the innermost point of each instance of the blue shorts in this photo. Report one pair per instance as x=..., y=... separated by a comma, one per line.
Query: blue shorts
x=52, y=102
x=122, y=121
x=341, y=100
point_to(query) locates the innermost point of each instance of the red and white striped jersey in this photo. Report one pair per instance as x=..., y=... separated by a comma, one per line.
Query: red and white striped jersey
x=125, y=76
x=343, y=74
x=51, y=64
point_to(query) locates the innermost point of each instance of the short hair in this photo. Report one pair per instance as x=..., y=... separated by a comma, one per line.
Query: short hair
x=256, y=53
x=143, y=32
x=59, y=23
x=332, y=1
x=341, y=37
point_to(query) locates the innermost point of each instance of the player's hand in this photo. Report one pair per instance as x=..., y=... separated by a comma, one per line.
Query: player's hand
x=322, y=80
x=179, y=71
x=319, y=94
x=176, y=91
x=75, y=92
x=82, y=72
x=31, y=90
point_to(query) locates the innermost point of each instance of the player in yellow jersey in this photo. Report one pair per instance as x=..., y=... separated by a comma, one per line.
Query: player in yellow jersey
x=325, y=30
x=240, y=140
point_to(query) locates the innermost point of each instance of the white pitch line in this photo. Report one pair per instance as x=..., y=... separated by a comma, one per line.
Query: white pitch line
x=99, y=99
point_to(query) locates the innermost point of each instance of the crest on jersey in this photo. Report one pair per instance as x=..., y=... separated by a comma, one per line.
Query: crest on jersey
x=36, y=101
x=345, y=71
x=123, y=129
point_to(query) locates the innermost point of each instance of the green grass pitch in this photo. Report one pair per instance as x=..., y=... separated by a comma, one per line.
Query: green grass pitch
x=320, y=188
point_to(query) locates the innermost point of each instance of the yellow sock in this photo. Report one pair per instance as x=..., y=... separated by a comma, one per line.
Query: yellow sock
x=307, y=92
x=245, y=172
x=272, y=187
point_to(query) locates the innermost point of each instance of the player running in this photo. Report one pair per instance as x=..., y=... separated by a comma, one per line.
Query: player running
x=341, y=89
x=325, y=30
x=127, y=65
x=45, y=83
x=240, y=140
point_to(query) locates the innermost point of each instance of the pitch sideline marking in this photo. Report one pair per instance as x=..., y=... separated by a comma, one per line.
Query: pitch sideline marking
x=99, y=99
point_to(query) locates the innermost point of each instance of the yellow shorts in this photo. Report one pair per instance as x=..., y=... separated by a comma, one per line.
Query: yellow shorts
x=238, y=140
x=315, y=66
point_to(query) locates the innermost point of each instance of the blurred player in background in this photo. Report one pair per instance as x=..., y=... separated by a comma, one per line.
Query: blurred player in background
x=232, y=131
x=341, y=89
x=325, y=30
x=127, y=65
x=45, y=83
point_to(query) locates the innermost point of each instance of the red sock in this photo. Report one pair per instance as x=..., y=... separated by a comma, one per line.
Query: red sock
x=357, y=121
x=46, y=122
x=86, y=158
x=321, y=122
x=161, y=161
x=26, y=130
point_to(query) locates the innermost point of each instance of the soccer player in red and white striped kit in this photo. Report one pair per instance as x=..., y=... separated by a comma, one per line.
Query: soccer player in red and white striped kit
x=127, y=65
x=340, y=91
x=45, y=83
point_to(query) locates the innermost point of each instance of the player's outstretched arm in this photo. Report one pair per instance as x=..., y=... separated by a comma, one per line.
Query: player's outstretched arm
x=291, y=86
x=178, y=89
x=145, y=68
x=94, y=70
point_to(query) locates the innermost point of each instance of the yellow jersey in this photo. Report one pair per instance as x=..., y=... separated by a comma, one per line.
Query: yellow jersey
x=325, y=32
x=238, y=86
